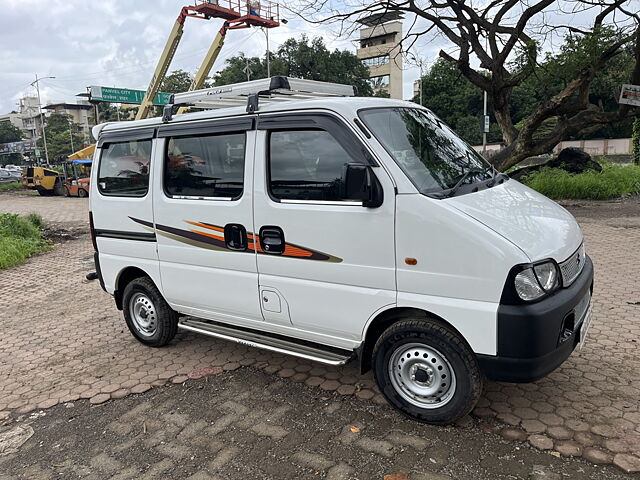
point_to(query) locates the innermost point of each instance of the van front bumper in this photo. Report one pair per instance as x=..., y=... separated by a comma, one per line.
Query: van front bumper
x=535, y=339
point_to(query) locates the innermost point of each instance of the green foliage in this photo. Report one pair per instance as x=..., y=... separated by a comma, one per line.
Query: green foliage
x=635, y=140
x=9, y=133
x=456, y=101
x=59, y=129
x=176, y=82
x=10, y=186
x=614, y=181
x=302, y=58
x=20, y=237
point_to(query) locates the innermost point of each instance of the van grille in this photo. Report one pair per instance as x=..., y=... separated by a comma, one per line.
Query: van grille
x=571, y=268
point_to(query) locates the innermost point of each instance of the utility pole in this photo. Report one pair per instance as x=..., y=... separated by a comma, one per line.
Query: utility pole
x=44, y=135
x=484, y=118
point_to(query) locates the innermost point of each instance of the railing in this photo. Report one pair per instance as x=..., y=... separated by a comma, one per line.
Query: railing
x=253, y=8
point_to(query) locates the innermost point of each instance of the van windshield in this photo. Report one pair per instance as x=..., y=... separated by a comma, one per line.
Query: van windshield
x=434, y=158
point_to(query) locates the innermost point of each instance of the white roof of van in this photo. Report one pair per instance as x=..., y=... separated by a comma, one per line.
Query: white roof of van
x=345, y=106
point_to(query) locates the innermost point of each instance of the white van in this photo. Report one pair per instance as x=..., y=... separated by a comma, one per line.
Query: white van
x=337, y=229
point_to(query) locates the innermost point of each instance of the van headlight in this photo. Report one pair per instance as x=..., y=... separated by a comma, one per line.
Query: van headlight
x=535, y=282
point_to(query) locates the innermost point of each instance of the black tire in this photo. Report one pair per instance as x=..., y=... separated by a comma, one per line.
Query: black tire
x=82, y=193
x=418, y=336
x=45, y=193
x=159, y=314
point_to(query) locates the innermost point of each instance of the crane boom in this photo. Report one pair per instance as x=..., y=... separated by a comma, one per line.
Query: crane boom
x=207, y=63
x=162, y=67
x=237, y=13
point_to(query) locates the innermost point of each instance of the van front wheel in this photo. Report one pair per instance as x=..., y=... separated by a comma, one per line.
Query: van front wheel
x=427, y=371
x=149, y=318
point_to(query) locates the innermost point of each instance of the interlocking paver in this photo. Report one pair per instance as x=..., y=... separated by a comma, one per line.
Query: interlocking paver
x=64, y=340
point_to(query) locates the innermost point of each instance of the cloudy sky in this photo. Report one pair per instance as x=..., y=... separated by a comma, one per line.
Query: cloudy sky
x=117, y=43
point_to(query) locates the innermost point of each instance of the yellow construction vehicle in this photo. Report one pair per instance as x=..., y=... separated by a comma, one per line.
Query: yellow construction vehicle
x=45, y=181
x=236, y=13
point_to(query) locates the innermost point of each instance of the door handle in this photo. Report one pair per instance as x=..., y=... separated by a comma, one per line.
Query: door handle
x=272, y=240
x=235, y=237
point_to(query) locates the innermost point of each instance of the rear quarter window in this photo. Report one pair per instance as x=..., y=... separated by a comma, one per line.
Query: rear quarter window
x=124, y=168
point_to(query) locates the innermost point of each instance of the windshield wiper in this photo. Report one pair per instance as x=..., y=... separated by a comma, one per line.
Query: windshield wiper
x=466, y=175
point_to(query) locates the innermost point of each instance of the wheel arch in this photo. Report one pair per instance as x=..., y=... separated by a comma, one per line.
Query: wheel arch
x=384, y=320
x=125, y=277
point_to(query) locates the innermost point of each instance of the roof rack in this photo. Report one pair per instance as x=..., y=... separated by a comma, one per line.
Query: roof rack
x=269, y=90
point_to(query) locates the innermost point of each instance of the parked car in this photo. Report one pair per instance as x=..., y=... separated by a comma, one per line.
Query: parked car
x=9, y=176
x=339, y=229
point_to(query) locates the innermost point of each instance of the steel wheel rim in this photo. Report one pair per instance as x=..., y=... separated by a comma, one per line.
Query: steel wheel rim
x=143, y=314
x=422, y=375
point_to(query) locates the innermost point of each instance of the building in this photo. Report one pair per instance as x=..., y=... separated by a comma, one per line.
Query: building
x=80, y=112
x=379, y=49
x=27, y=118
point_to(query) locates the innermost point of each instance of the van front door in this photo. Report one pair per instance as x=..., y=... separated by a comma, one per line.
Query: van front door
x=202, y=212
x=328, y=261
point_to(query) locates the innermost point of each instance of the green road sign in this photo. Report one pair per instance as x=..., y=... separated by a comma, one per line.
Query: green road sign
x=124, y=95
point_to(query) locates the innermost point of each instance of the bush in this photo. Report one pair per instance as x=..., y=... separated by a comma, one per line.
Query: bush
x=20, y=237
x=613, y=181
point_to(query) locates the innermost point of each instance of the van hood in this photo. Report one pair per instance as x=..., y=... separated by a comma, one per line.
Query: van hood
x=537, y=225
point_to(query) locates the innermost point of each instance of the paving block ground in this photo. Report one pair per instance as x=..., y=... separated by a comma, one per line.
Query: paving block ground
x=64, y=340
x=247, y=424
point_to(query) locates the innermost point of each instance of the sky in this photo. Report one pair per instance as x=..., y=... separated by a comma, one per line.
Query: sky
x=118, y=42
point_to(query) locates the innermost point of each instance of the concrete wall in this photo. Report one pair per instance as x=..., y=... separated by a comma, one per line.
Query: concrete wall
x=607, y=146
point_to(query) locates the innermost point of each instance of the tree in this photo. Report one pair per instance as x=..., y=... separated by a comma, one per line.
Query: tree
x=10, y=133
x=456, y=100
x=60, y=129
x=176, y=82
x=302, y=58
x=506, y=39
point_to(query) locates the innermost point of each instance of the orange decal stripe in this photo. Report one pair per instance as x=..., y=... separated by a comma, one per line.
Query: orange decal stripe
x=292, y=251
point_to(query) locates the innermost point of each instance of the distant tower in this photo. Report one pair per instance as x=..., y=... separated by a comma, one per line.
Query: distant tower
x=380, y=51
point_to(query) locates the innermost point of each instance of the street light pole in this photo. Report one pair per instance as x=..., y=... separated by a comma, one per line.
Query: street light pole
x=71, y=135
x=44, y=134
x=266, y=33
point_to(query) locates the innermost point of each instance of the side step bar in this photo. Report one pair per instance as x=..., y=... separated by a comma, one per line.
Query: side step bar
x=267, y=342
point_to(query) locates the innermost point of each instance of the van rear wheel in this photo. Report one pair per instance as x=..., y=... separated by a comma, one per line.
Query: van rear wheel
x=427, y=371
x=149, y=317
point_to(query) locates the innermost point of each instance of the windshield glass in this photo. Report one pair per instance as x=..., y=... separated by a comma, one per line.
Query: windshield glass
x=430, y=154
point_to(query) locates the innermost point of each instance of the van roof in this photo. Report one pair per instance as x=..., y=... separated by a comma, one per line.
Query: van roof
x=344, y=106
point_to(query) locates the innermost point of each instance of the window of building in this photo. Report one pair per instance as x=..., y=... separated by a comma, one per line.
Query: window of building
x=381, y=81
x=306, y=165
x=205, y=166
x=124, y=168
x=376, y=61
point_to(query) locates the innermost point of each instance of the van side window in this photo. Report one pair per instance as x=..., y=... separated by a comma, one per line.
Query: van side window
x=205, y=166
x=124, y=168
x=306, y=165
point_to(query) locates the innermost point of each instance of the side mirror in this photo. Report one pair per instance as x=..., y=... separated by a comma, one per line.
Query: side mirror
x=360, y=183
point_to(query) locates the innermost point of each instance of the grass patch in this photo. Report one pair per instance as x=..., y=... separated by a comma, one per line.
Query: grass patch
x=614, y=181
x=20, y=237
x=11, y=186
